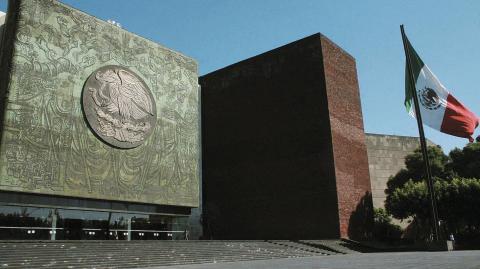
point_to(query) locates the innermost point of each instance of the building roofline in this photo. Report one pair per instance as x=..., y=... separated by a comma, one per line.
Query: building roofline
x=399, y=136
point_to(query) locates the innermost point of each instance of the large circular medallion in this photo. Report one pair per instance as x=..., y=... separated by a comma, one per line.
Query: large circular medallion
x=118, y=106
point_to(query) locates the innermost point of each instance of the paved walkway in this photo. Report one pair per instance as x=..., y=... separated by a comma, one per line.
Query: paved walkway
x=398, y=260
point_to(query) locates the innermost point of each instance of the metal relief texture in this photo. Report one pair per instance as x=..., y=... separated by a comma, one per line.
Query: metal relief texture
x=119, y=107
x=47, y=146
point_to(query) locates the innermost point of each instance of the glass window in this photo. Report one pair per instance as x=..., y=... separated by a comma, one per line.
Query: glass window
x=37, y=223
x=29, y=223
x=119, y=226
x=82, y=224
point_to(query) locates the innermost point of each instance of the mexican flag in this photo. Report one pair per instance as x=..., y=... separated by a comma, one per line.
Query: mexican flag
x=438, y=108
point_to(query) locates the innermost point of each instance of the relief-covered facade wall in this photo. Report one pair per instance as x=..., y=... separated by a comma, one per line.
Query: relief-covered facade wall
x=46, y=144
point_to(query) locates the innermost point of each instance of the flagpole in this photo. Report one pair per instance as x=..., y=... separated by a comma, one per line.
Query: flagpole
x=423, y=143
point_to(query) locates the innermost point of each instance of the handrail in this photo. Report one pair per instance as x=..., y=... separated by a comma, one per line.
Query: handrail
x=89, y=229
x=30, y=228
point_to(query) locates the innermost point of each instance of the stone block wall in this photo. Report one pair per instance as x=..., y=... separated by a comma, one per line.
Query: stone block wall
x=386, y=156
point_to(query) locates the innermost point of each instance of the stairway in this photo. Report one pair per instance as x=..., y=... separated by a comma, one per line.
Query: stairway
x=138, y=254
x=339, y=246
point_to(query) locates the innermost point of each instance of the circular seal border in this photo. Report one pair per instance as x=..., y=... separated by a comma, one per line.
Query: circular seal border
x=90, y=116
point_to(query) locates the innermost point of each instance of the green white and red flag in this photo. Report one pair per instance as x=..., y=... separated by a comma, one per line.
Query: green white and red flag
x=438, y=108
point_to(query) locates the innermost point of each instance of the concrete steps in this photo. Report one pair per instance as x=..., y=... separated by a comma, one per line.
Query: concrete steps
x=340, y=246
x=138, y=254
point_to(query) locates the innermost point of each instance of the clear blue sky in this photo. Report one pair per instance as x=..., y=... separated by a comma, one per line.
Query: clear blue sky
x=446, y=34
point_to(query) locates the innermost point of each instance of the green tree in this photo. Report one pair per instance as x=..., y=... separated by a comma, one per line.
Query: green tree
x=410, y=200
x=384, y=229
x=458, y=203
x=466, y=162
x=457, y=188
x=415, y=169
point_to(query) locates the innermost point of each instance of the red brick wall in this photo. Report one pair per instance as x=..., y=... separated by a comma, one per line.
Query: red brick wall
x=284, y=153
x=348, y=141
x=268, y=170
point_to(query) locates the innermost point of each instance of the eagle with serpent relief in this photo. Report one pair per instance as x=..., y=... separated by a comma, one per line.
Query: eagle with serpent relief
x=122, y=103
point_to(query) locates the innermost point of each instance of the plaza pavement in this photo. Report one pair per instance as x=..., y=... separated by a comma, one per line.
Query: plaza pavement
x=392, y=260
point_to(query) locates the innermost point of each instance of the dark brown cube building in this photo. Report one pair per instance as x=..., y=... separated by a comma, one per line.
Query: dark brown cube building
x=284, y=153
